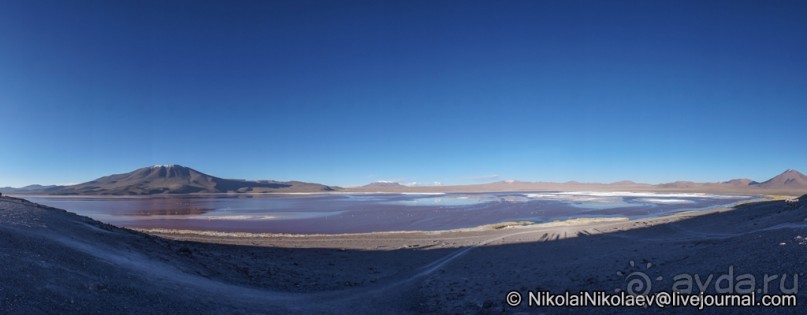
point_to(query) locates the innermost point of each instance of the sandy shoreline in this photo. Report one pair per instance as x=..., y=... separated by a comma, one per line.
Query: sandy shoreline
x=388, y=240
x=339, y=215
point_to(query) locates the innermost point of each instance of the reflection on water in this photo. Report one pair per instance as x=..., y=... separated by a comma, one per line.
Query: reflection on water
x=347, y=213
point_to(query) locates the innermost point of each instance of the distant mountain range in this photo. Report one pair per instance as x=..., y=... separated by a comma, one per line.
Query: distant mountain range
x=169, y=179
x=177, y=179
x=383, y=184
x=27, y=189
x=789, y=182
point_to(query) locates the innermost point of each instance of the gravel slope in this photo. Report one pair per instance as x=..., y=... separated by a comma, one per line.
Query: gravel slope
x=57, y=262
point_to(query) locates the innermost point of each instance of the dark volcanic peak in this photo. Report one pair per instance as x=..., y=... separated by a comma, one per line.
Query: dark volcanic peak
x=166, y=171
x=792, y=172
x=788, y=179
x=178, y=179
x=172, y=170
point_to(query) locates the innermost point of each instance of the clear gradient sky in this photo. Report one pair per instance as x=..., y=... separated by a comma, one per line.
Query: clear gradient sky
x=457, y=92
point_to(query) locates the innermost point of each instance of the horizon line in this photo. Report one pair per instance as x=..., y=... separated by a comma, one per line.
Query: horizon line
x=401, y=182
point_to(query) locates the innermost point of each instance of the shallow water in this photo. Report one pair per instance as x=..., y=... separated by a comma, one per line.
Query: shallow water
x=350, y=213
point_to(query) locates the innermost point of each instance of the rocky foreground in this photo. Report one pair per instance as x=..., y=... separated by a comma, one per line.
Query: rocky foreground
x=53, y=261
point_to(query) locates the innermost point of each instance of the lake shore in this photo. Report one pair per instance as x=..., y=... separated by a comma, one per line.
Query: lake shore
x=346, y=214
x=90, y=266
x=503, y=233
x=454, y=238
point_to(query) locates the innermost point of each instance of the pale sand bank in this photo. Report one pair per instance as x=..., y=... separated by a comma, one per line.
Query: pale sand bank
x=503, y=233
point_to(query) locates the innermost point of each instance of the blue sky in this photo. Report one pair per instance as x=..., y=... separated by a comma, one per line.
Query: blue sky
x=457, y=92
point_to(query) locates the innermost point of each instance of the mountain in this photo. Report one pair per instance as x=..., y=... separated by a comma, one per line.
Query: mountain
x=790, y=182
x=790, y=179
x=30, y=189
x=740, y=182
x=177, y=179
x=383, y=184
x=680, y=184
